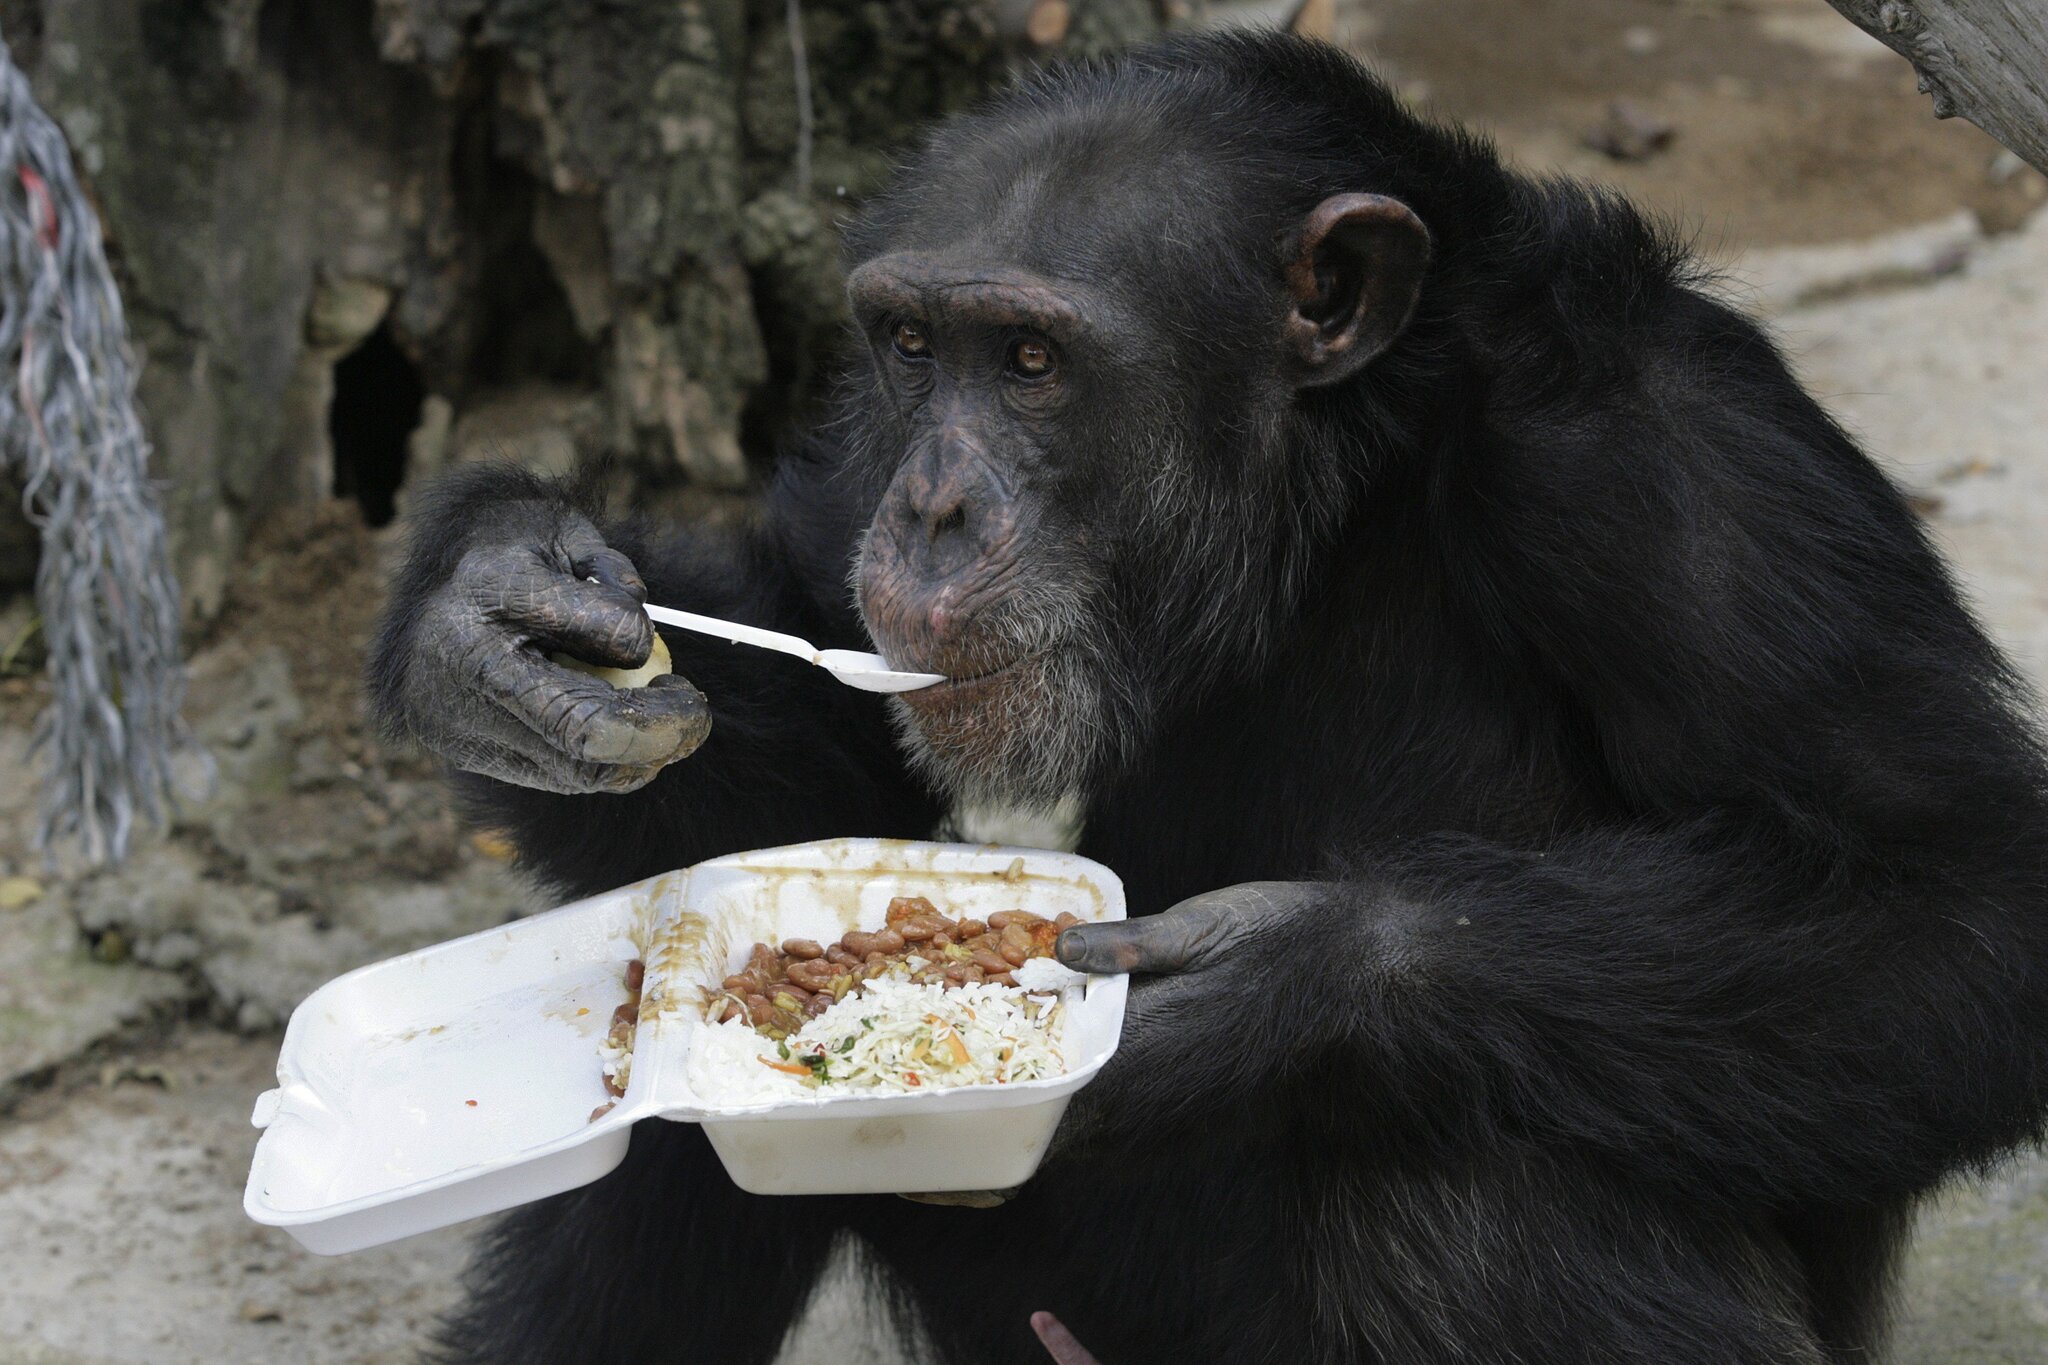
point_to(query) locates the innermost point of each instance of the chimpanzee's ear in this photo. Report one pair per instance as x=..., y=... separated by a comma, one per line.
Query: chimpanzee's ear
x=1356, y=271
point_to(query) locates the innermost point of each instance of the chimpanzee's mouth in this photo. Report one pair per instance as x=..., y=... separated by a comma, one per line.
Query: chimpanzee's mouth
x=974, y=678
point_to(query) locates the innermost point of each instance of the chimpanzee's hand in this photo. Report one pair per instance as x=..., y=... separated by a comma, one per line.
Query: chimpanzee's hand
x=1189, y=1035
x=475, y=684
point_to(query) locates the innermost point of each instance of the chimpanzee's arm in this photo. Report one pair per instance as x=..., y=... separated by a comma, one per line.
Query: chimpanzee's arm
x=790, y=755
x=1812, y=961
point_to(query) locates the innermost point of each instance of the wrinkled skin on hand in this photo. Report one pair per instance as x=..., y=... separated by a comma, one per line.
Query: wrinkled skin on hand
x=479, y=690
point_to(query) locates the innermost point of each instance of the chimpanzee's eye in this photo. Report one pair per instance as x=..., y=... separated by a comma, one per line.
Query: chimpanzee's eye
x=1031, y=359
x=911, y=343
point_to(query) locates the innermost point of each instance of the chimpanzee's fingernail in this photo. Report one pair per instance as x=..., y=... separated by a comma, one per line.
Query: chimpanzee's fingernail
x=1071, y=948
x=613, y=570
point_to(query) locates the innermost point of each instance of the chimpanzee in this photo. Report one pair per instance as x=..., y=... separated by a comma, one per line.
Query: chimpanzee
x=1592, y=865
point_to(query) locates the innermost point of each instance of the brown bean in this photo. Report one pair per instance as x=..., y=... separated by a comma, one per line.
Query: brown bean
x=889, y=940
x=765, y=966
x=733, y=1010
x=955, y=974
x=628, y=1013
x=1067, y=919
x=819, y=1004
x=805, y=949
x=759, y=1009
x=990, y=962
x=740, y=983
x=1002, y=978
x=971, y=928
x=812, y=975
x=972, y=973
x=840, y=957
x=1003, y=919
x=916, y=930
x=613, y=1088
x=858, y=942
x=1016, y=944
x=903, y=907
x=636, y=973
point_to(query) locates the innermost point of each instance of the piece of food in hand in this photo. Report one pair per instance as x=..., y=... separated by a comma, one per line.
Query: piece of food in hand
x=657, y=664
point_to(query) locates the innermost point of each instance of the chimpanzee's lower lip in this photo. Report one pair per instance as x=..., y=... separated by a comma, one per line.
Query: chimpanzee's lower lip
x=953, y=689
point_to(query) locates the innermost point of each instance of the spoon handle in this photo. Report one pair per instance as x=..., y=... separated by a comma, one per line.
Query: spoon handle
x=735, y=632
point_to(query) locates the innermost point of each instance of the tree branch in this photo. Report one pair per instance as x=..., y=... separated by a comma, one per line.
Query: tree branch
x=1986, y=60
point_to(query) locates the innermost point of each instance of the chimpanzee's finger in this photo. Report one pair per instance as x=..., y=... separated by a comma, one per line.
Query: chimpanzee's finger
x=592, y=621
x=1176, y=941
x=613, y=570
x=1189, y=936
x=590, y=720
x=1059, y=1342
x=522, y=760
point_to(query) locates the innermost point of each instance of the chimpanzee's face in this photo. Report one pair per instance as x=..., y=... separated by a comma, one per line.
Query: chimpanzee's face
x=1080, y=382
x=987, y=558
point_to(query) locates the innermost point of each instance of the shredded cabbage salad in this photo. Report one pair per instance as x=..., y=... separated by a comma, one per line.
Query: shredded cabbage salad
x=889, y=1036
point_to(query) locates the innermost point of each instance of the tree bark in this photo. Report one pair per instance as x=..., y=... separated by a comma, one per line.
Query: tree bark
x=1986, y=60
x=549, y=230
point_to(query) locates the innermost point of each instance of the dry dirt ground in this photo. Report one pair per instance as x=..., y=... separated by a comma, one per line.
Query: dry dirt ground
x=138, y=1013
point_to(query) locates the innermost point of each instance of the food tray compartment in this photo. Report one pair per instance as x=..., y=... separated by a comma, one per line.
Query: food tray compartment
x=846, y=1142
x=452, y=1081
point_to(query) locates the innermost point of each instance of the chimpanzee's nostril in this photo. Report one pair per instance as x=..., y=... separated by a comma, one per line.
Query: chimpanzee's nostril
x=949, y=521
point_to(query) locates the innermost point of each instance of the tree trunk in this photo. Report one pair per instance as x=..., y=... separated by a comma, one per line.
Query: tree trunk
x=360, y=239
x=1986, y=60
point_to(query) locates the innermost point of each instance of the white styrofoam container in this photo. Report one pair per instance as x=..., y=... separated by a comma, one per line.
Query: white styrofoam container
x=459, y=1080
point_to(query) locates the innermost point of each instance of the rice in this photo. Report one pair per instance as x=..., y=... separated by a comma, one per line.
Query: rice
x=890, y=1036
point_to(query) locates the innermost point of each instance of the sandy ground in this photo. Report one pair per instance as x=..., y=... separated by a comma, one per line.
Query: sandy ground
x=1800, y=155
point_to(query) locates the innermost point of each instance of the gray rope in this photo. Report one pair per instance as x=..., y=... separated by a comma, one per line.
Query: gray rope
x=68, y=425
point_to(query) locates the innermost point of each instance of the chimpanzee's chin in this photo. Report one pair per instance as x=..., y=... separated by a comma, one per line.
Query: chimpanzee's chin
x=1020, y=734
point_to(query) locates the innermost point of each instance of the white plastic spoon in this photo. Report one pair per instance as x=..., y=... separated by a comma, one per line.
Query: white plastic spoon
x=868, y=672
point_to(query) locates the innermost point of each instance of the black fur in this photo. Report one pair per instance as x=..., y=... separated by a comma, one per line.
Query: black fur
x=1684, y=835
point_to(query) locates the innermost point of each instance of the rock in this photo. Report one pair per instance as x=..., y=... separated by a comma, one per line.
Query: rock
x=344, y=311
x=172, y=950
x=19, y=892
x=1048, y=22
x=547, y=428
x=248, y=715
x=1640, y=40
x=56, y=1001
x=569, y=230
x=260, y=949
x=1630, y=132
x=1775, y=281
x=315, y=765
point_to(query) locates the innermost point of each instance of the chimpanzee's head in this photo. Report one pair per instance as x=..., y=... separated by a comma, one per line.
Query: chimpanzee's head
x=1097, y=318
